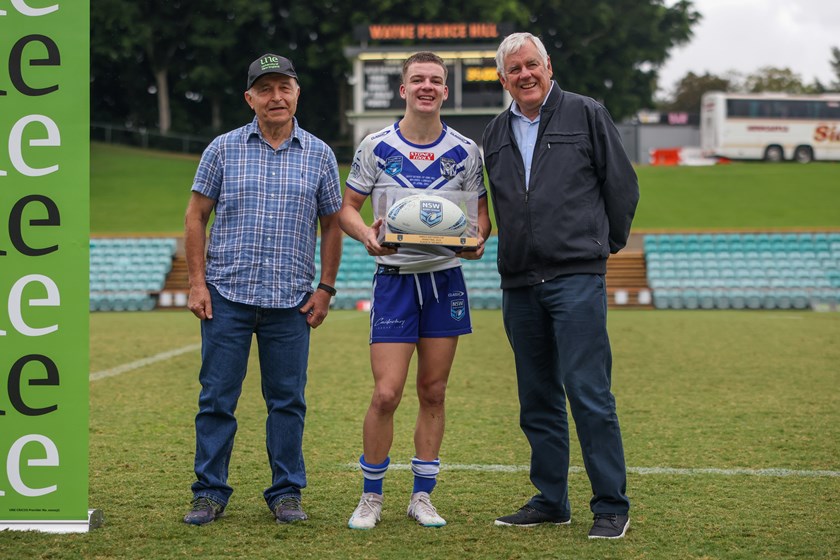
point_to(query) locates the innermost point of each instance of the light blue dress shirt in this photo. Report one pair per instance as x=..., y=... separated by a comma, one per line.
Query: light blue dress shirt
x=525, y=132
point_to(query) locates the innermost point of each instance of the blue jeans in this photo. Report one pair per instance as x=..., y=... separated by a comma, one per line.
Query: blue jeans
x=558, y=332
x=283, y=342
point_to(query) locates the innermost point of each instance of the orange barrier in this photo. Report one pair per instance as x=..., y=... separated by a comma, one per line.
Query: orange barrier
x=665, y=156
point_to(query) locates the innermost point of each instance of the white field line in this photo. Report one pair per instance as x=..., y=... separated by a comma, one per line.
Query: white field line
x=166, y=355
x=775, y=472
x=143, y=362
x=634, y=470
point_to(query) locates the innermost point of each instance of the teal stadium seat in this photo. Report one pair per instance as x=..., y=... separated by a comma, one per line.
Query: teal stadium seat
x=675, y=299
x=753, y=299
x=800, y=299
x=690, y=299
x=660, y=298
x=737, y=299
x=125, y=273
x=721, y=298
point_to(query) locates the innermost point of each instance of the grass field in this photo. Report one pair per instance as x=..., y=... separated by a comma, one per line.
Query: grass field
x=739, y=195
x=742, y=195
x=730, y=419
x=753, y=394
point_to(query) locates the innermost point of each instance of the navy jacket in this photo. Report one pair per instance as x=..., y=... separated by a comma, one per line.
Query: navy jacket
x=582, y=196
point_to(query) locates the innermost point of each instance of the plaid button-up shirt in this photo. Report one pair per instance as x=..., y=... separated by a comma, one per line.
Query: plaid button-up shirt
x=262, y=242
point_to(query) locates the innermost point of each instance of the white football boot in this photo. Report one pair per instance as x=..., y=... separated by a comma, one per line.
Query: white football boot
x=367, y=513
x=420, y=509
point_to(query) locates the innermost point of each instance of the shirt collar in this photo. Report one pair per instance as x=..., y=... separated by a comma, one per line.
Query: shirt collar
x=514, y=107
x=253, y=129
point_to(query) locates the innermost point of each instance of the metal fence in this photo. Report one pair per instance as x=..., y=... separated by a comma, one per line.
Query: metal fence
x=172, y=142
x=638, y=139
x=145, y=138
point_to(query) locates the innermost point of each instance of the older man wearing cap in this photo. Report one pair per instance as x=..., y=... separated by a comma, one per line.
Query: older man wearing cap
x=270, y=184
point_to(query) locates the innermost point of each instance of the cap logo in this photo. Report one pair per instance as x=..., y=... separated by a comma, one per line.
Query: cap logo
x=268, y=62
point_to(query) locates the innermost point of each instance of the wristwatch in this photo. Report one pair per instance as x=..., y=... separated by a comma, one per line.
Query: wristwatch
x=327, y=288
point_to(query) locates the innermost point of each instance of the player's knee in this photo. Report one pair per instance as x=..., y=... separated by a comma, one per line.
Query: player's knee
x=385, y=401
x=432, y=393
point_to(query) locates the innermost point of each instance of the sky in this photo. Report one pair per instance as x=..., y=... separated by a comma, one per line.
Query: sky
x=746, y=35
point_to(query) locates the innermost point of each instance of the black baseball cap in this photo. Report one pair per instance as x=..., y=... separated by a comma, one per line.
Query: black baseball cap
x=270, y=64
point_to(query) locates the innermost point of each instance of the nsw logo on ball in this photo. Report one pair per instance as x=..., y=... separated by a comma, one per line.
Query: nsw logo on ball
x=431, y=213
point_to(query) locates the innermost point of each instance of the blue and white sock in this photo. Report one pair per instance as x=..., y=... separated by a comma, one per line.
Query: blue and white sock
x=373, y=475
x=425, y=474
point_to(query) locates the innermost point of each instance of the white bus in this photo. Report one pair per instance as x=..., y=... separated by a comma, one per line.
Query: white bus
x=771, y=126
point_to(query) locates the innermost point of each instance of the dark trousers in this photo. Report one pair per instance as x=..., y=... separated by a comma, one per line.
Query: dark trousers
x=558, y=332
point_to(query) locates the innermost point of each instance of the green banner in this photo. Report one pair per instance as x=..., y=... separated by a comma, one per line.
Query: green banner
x=44, y=254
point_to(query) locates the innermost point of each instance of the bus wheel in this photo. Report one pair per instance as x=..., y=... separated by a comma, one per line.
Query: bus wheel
x=803, y=154
x=774, y=154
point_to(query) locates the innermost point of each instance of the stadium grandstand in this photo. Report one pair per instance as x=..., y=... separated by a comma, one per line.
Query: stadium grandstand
x=686, y=270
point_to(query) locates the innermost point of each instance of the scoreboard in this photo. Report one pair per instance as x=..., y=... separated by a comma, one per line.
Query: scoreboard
x=472, y=81
x=467, y=49
x=381, y=89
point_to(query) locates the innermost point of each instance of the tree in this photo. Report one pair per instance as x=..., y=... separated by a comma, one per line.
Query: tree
x=119, y=78
x=146, y=31
x=690, y=90
x=769, y=78
x=611, y=50
x=225, y=39
x=835, y=65
x=608, y=49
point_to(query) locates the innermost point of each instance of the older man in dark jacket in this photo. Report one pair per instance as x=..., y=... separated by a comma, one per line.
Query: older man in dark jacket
x=564, y=194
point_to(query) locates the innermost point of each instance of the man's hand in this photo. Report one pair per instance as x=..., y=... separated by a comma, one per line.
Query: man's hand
x=316, y=308
x=199, y=302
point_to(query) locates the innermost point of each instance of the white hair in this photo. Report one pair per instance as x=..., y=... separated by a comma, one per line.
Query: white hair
x=513, y=43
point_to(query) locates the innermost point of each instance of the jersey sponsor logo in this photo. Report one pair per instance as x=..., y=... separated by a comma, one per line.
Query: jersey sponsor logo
x=393, y=165
x=423, y=156
x=457, y=293
x=457, y=309
x=447, y=168
x=380, y=134
x=431, y=213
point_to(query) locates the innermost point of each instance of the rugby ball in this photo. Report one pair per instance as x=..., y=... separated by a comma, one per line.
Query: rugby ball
x=426, y=214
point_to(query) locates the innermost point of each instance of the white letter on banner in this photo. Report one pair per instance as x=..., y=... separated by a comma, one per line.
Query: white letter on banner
x=53, y=299
x=16, y=155
x=13, y=464
x=29, y=11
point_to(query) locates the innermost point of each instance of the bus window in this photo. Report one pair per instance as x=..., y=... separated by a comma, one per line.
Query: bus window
x=737, y=108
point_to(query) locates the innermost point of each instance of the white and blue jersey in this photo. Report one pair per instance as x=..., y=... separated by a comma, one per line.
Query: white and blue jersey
x=450, y=163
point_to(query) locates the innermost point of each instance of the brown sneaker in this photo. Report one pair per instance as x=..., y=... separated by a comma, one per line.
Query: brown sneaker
x=204, y=511
x=288, y=510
